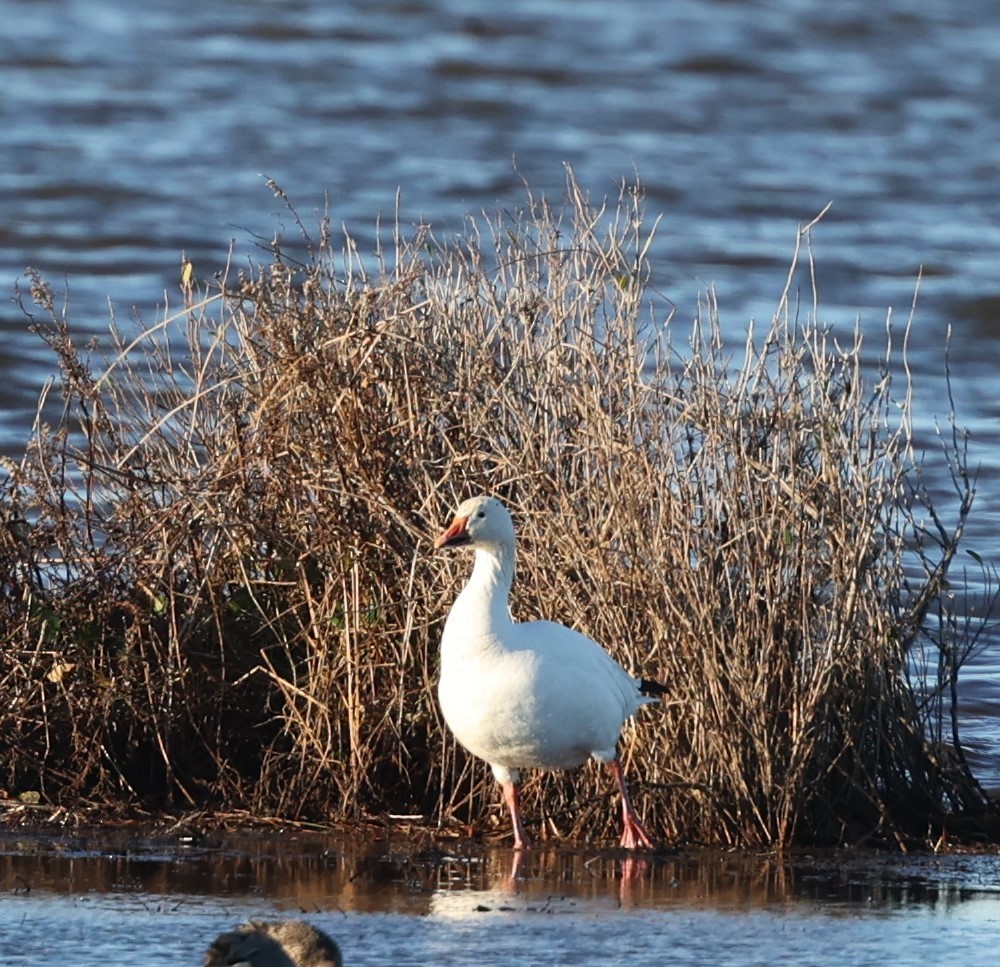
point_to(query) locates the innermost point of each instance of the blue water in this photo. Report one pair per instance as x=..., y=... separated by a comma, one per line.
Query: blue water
x=133, y=137
x=93, y=932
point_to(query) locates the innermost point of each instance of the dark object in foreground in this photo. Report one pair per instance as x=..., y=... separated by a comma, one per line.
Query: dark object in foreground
x=282, y=943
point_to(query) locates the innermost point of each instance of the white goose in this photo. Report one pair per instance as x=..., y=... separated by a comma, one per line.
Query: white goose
x=528, y=695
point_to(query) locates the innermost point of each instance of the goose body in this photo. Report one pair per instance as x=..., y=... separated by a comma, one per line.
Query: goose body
x=527, y=695
x=541, y=696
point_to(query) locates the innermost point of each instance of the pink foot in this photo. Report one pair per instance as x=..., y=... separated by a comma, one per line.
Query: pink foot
x=633, y=834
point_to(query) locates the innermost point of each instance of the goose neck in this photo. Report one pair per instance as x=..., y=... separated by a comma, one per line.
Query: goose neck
x=489, y=586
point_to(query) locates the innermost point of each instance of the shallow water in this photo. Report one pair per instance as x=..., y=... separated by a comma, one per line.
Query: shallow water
x=120, y=899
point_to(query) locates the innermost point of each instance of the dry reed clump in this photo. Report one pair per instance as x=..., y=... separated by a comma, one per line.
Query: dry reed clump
x=218, y=590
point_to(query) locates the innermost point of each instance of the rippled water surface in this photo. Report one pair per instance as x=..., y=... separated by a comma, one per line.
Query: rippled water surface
x=123, y=901
x=133, y=136
x=135, y=133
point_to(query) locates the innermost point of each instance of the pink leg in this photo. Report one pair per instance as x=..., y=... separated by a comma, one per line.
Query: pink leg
x=510, y=797
x=633, y=834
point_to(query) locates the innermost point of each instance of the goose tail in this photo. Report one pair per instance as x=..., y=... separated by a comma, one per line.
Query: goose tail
x=651, y=689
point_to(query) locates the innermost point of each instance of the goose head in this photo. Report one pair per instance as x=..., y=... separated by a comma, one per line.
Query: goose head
x=480, y=522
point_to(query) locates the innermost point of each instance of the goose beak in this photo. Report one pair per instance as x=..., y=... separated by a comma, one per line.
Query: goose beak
x=454, y=536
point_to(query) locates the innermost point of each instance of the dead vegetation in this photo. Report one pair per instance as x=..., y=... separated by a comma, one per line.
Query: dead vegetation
x=218, y=591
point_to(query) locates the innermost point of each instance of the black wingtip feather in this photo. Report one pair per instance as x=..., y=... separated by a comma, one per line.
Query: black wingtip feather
x=648, y=687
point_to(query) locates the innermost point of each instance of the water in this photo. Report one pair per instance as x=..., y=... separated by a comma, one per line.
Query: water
x=131, y=138
x=135, y=135
x=126, y=901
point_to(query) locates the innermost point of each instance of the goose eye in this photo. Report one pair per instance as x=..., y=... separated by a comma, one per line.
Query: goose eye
x=481, y=514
